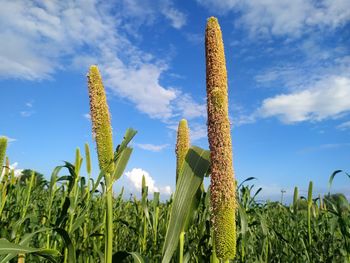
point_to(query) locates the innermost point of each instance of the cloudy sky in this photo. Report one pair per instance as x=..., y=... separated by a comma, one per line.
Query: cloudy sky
x=288, y=66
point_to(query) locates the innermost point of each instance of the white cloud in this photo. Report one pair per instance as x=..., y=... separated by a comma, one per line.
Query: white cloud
x=134, y=178
x=344, y=126
x=29, y=111
x=327, y=98
x=147, y=12
x=317, y=64
x=284, y=17
x=239, y=116
x=26, y=113
x=43, y=37
x=313, y=89
x=152, y=147
x=177, y=18
x=188, y=108
x=198, y=131
x=196, y=39
x=141, y=85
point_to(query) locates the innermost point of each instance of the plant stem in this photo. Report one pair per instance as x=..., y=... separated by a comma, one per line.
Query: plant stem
x=309, y=205
x=109, y=220
x=181, y=250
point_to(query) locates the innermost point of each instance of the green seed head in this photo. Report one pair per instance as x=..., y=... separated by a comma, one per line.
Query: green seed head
x=295, y=199
x=87, y=157
x=182, y=145
x=7, y=167
x=309, y=194
x=222, y=187
x=101, y=123
x=3, y=145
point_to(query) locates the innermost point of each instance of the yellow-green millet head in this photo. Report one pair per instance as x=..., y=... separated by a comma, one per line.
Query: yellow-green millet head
x=222, y=187
x=182, y=145
x=3, y=145
x=101, y=123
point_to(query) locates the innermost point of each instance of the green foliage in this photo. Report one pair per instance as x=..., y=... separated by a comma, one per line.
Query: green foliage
x=26, y=175
x=60, y=220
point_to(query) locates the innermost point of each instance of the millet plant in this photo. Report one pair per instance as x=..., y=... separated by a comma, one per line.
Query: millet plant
x=222, y=189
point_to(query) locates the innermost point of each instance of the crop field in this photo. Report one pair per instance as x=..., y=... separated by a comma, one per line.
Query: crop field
x=73, y=215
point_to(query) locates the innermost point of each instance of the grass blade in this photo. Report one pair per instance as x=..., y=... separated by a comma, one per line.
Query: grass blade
x=192, y=173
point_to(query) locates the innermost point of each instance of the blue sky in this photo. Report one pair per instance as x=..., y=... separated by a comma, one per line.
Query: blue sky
x=288, y=66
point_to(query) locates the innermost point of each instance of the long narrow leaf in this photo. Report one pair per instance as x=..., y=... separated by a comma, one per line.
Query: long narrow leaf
x=121, y=162
x=192, y=173
x=6, y=247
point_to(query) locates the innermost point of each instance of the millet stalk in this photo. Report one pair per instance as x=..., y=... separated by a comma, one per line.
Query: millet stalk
x=222, y=187
x=102, y=132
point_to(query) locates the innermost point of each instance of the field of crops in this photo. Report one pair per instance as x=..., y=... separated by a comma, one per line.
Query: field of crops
x=63, y=220
x=74, y=216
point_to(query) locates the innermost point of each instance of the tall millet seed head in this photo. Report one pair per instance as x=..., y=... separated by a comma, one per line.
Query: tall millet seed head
x=223, y=199
x=101, y=122
x=182, y=145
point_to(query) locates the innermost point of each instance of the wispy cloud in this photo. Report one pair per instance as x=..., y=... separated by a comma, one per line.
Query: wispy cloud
x=147, y=12
x=29, y=104
x=308, y=70
x=26, y=113
x=344, y=126
x=198, y=131
x=134, y=178
x=194, y=38
x=326, y=146
x=29, y=111
x=152, y=147
x=42, y=38
x=328, y=98
x=314, y=89
x=288, y=18
x=188, y=108
x=177, y=18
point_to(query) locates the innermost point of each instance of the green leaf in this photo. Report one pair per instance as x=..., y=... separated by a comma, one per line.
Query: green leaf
x=96, y=184
x=121, y=163
x=331, y=178
x=120, y=256
x=7, y=247
x=24, y=242
x=244, y=219
x=78, y=222
x=246, y=180
x=192, y=173
x=138, y=258
x=128, y=136
x=68, y=243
